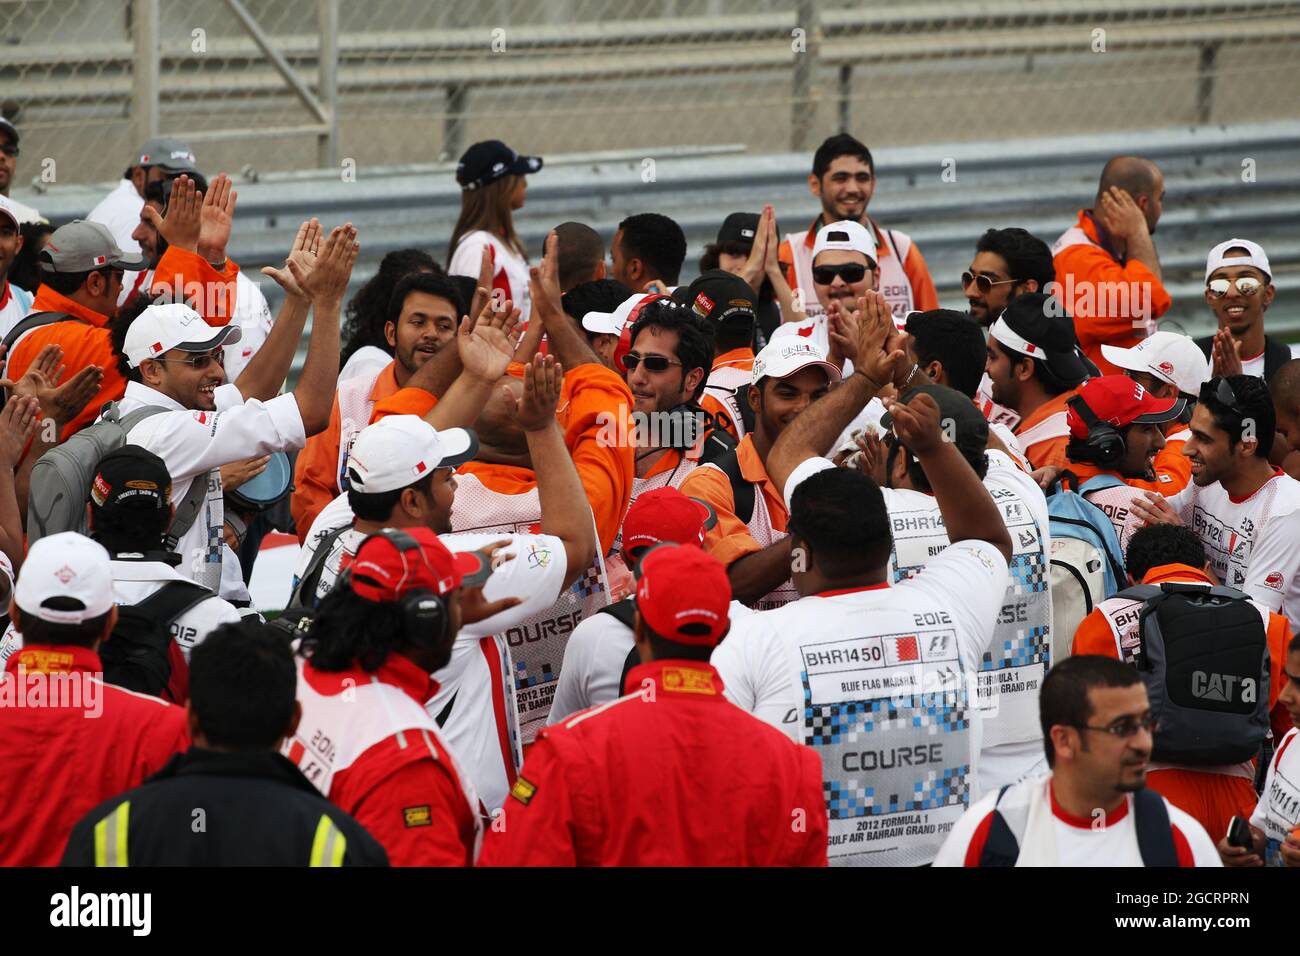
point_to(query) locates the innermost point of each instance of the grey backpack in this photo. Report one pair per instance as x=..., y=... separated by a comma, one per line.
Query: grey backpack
x=1203, y=656
x=60, y=485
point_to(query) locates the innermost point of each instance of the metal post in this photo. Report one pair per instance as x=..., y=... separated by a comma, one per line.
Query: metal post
x=803, y=77
x=327, y=145
x=1205, y=84
x=144, y=71
x=846, y=91
x=274, y=57
x=453, y=123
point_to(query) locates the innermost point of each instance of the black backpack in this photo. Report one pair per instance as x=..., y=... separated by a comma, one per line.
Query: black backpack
x=1204, y=659
x=135, y=656
x=304, y=592
x=1150, y=818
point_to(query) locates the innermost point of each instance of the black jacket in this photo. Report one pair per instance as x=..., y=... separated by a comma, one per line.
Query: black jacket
x=208, y=808
x=1276, y=354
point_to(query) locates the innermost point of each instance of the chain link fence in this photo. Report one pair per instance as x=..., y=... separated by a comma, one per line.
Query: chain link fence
x=273, y=85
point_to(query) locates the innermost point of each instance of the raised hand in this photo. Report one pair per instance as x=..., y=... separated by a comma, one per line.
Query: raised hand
x=306, y=245
x=328, y=280
x=216, y=216
x=917, y=423
x=482, y=291
x=1121, y=215
x=1154, y=508
x=875, y=327
x=543, y=380
x=18, y=422
x=183, y=224
x=1226, y=353
x=487, y=346
x=756, y=264
x=544, y=281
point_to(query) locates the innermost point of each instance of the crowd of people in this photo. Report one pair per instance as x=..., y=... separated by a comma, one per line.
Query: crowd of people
x=784, y=566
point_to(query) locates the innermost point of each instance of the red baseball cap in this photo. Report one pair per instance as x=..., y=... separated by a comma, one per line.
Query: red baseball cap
x=663, y=516
x=1119, y=400
x=394, y=562
x=683, y=594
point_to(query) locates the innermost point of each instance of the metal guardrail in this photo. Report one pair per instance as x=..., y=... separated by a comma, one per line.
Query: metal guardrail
x=1034, y=183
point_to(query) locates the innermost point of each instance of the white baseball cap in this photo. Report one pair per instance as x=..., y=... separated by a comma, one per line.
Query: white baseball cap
x=401, y=449
x=613, y=323
x=66, y=565
x=845, y=234
x=786, y=355
x=1219, y=257
x=161, y=328
x=1170, y=357
x=10, y=211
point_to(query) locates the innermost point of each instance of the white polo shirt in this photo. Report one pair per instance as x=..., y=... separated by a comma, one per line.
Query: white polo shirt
x=195, y=444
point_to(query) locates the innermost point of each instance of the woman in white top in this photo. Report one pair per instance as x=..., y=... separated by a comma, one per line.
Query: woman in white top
x=493, y=185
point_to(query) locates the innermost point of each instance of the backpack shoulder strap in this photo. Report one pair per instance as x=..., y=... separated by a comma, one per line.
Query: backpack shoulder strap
x=1001, y=848
x=35, y=321
x=172, y=600
x=1140, y=592
x=1099, y=483
x=741, y=490
x=112, y=413
x=623, y=611
x=1154, y=832
x=187, y=510
x=304, y=594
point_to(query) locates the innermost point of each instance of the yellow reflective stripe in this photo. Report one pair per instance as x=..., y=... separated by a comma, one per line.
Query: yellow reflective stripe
x=329, y=844
x=110, y=837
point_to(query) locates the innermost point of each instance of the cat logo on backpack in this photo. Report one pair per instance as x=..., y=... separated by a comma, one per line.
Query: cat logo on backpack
x=1220, y=687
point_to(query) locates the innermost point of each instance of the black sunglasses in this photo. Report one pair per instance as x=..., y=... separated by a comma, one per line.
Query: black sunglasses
x=850, y=272
x=653, y=363
x=1227, y=396
x=9, y=150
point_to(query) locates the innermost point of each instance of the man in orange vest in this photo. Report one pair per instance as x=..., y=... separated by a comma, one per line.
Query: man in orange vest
x=1108, y=275
x=843, y=177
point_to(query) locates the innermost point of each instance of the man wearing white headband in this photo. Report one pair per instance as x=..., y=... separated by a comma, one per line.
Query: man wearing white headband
x=1239, y=289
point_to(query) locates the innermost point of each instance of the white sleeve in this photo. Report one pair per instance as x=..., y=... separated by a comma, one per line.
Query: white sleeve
x=468, y=257
x=571, y=691
x=193, y=627
x=1275, y=562
x=969, y=579
x=953, y=851
x=534, y=573
x=1204, y=852
x=195, y=442
x=802, y=472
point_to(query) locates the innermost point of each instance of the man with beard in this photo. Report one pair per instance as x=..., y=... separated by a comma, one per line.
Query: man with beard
x=1239, y=289
x=1108, y=274
x=422, y=318
x=843, y=177
x=1094, y=809
x=1008, y=263
x=1246, y=511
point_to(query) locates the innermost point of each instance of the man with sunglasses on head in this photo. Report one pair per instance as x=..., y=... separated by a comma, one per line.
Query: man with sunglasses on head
x=1239, y=289
x=1245, y=510
x=843, y=178
x=173, y=360
x=1094, y=808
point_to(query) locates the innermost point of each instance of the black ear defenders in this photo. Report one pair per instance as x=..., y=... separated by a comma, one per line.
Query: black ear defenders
x=1105, y=443
x=424, y=614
